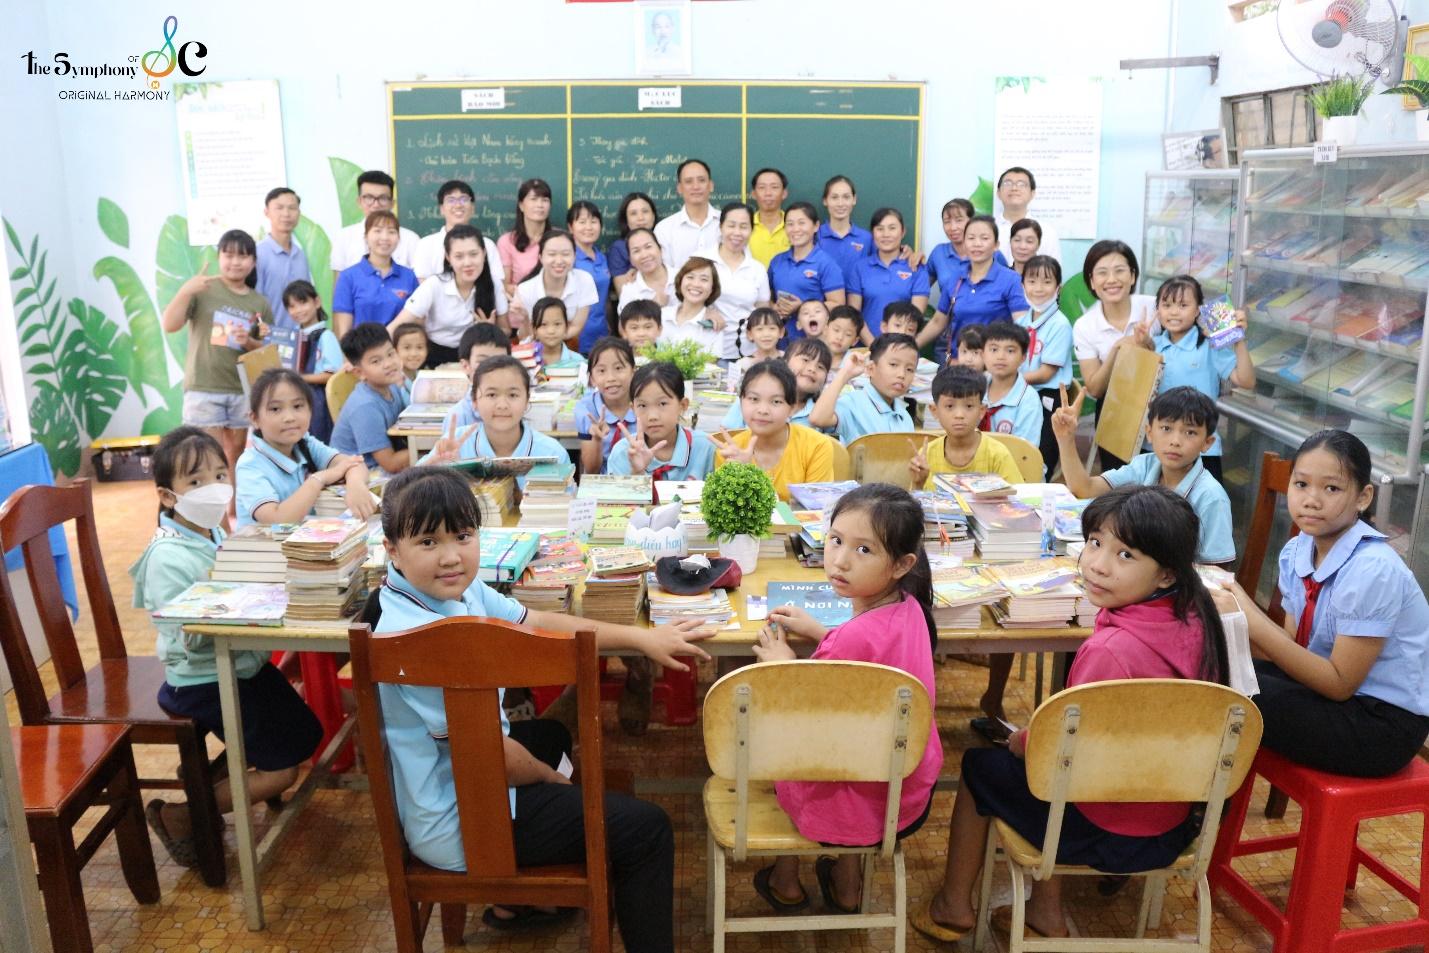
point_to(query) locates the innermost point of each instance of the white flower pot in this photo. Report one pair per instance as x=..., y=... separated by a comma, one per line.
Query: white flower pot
x=1344, y=130
x=743, y=549
x=1421, y=125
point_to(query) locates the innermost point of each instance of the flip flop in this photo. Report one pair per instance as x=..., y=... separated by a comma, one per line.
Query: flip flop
x=1002, y=923
x=778, y=903
x=181, y=849
x=923, y=922
x=526, y=918
x=991, y=729
x=824, y=870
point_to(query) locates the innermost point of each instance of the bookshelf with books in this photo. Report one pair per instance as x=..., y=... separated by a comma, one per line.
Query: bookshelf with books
x=1332, y=268
x=1189, y=228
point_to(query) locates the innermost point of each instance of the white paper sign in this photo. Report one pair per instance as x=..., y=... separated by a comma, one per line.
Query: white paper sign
x=1053, y=126
x=231, y=154
x=1327, y=152
x=489, y=98
x=659, y=97
x=580, y=518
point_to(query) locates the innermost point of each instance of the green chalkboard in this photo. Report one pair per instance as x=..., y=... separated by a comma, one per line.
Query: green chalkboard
x=594, y=141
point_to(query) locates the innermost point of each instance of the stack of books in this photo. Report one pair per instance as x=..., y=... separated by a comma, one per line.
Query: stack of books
x=945, y=523
x=808, y=545
x=550, y=579
x=611, y=520
x=253, y=554
x=325, y=570
x=974, y=486
x=615, y=588
x=226, y=603
x=710, y=408
x=332, y=501
x=546, y=501
x=1041, y=593
x=495, y=497
x=1005, y=530
x=636, y=489
x=712, y=607
x=1067, y=524
x=774, y=546
x=433, y=394
x=960, y=592
x=686, y=491
x=505, y=553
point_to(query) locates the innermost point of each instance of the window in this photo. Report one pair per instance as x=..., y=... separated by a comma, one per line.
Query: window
x=1282, y=117
x=1250, y=9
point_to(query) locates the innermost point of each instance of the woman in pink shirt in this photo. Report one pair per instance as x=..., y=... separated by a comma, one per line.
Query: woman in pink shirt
x=874, y=556
x=1156, y=621
x=520, y=248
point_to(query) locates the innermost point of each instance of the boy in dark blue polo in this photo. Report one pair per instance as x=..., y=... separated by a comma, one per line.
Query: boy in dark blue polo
x=372, y=408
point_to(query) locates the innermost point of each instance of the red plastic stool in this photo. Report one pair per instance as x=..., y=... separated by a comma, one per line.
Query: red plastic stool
x=1327, y=857
x=675, y=690
x=322, y=690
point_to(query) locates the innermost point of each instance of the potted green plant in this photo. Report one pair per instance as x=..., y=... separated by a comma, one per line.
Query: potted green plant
x=1417, y=85
x=1338, y=102
x=737, y=502
x=687, y=355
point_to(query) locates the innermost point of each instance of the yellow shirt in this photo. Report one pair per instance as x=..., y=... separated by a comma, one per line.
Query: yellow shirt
x=990, y=457
x=765, y=244
x=808, y=458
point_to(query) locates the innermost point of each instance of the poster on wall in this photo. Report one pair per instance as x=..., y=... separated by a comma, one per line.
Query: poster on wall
x=662, y=38
x=1053, y=126
x=231, y=153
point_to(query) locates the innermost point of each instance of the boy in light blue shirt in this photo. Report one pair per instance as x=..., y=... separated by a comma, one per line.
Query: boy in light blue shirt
x=478, y=342
x=1181, y=425
x=375, y=403
x=880, y=405
x=1013, y=406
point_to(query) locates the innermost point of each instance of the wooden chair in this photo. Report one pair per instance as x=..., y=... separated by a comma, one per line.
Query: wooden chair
x=843, y=464
x=1027, y=455
x=338, y=388
x=64, y=771
x=1139, y=740
x=883, y=457
x=470, y=659
x=807, y=721
x=120, y=689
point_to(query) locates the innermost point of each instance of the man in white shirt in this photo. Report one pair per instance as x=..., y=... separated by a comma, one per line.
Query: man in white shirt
x=457, y=203
x=374, y=194
x=694, y=229
x=1015, y=189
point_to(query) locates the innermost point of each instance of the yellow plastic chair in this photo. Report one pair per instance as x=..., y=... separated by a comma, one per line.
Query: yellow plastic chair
x=338, y=388
x=1027, y=456
x=807, y=721
x=883, y=457
x=843, y=464
x=1124, y=741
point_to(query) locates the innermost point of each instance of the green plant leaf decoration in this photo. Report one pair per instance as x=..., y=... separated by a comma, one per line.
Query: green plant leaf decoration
x=982, y=197
x=1416, y=83
x=113, y=222
x=344, y=179
x=1341, y=96
x=148, y=364
x=687, y=355
x=93, y=365
x=738, y=499
x=319, y=251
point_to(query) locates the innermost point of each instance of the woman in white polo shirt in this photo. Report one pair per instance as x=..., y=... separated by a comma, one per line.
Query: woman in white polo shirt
x=653, y=281
x=556, y=276
x=743, y=281
x=465, y=293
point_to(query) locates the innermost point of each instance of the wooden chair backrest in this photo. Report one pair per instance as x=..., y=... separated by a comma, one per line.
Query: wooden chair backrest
x=25, y=521
x=470, y=659
x=338, y=388
x=843, y=463
x=814, y=721
x=1144, y=739
x=252, y=364
x=1274, y=483
x=1133, y=383
x=883, y=457
x=1026, y=454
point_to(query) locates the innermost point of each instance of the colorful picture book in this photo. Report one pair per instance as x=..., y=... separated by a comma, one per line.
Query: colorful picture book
x=686, y=491
x=227, y=603
x=973, y=486
x=618, y=560
x=820, y=496
x=816, y=598
x=491, y=467
x=231, y=328
x=505, y=553
x=612, y=488
x=440, y=387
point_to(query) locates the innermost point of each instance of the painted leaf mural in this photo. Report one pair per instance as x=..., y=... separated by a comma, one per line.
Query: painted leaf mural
x=319, y=251
x=113, y=223
x=982, y=197
x=148, y=365
x=344, y=178
x=93, y=364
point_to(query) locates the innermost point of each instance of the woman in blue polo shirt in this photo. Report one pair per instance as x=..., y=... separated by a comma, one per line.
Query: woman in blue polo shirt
x=876, y=281
x=805, y=272
x=374, y=289
x=584, y=221
x=839, y=236
x=984, y=292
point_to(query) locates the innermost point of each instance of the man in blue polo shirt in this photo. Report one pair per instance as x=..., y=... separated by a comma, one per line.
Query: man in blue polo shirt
x=281, y=259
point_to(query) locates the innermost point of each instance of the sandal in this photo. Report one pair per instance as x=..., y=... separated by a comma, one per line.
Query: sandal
x=824, y=870
x=991, y=730
x=181, y=849
x=526, y=918
x=778, y=903
x=923, y=922
x=1002, y=923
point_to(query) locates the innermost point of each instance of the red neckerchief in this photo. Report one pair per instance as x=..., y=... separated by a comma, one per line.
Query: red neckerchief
x=661, y=471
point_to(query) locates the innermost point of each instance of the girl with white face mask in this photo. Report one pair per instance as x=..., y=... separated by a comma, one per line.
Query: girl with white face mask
x=195, y=489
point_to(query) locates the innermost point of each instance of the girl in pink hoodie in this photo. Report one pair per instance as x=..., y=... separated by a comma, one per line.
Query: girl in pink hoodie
x=1156, y=621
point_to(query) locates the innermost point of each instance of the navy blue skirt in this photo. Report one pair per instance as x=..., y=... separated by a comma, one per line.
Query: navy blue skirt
x=997, y=781
x=279, y=729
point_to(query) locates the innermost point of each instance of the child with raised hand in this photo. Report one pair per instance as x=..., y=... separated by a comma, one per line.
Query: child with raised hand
x=639, y=323
x=1180, y=424
x=1013, y=406
x=410, y=340
x=842, y=331
x=879, y=406
x=431, y=526
x=322, y=354
x=1155, y=620
x=959, y=408
x=808, y=360
x=478, y=342
x=1048, y=364
x=501, y=389
x=279, y=731
x=661, y=447
x=550, y=329
x=1188, y=360
x=373, y=406
x=874, y=556
x=788, y=452
x=1344, y=683
x=285, y=469
x=605, y=403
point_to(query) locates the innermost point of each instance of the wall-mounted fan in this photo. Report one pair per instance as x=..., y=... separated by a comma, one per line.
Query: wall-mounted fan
x=1345, y=37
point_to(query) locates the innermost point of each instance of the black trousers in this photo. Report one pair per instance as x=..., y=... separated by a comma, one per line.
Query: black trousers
x=1047, y=443
x=550, y=829
x=1362, y=737
x=439, y=354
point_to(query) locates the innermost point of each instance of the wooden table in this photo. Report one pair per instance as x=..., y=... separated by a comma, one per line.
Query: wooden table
x=421, y=439
x=228, y=639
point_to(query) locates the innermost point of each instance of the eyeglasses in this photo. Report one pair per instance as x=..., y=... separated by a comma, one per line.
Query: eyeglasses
x=1017, y=184
x=457, y=200
x=374, y=199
